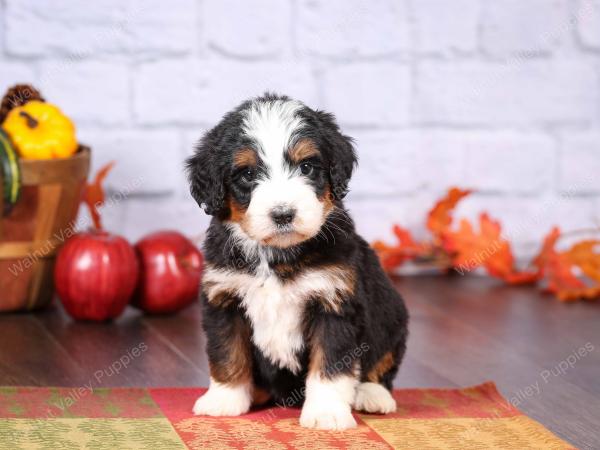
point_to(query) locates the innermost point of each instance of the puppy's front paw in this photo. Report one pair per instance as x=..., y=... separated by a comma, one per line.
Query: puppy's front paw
x=223, y=400
x=327, y=415
x=374, y=398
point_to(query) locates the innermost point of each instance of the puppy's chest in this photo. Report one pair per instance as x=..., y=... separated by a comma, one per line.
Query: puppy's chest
x=276, y=315
x=275, y=306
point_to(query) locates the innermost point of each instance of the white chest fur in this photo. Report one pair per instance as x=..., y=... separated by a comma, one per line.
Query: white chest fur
x=276, y=316
x=275, y=309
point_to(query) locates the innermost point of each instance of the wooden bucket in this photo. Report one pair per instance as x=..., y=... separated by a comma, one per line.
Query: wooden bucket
x=43, y=218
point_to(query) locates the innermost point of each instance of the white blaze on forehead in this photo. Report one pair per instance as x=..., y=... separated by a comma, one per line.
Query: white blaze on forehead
x=272, y=125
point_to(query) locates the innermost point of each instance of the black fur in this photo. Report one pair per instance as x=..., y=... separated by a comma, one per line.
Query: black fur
x=371, y=323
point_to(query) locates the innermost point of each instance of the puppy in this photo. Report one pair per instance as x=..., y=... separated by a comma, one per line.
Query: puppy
x=295, y=304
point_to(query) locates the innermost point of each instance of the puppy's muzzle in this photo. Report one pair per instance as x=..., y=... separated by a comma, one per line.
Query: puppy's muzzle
x=282, y=215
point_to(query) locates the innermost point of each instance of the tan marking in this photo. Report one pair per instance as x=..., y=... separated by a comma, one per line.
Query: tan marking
x=327, y=200
x=237, y=212
x=260, y=396
x=284, y=270
x=385, y=363
x=245, y=157
x=304, y=149
x=236, y=367
x=316, y=364
x=344, y=280
x=285, y=240
x=329, y=284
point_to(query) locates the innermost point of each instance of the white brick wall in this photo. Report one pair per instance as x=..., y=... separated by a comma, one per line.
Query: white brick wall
x=501, y=96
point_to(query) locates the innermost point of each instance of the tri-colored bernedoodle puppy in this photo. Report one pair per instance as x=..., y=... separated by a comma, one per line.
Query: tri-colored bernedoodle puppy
x=296, y=306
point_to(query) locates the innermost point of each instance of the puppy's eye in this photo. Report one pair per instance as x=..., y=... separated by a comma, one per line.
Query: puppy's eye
x=306, y=168
x=248, y=175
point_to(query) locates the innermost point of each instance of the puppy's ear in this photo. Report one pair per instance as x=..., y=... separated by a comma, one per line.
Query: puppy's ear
x=341, y=153
x=206, y=178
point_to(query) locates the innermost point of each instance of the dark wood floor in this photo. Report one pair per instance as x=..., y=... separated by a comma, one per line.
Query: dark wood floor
x=464, y=330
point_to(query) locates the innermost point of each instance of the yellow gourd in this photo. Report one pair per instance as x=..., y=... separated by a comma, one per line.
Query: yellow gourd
x=40, y=130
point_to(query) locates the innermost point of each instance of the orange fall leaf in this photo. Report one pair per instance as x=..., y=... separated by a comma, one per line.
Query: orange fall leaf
x=486, y=248
x=93, y=195
x=393, y=256
x=439, y=218
x=466, y=248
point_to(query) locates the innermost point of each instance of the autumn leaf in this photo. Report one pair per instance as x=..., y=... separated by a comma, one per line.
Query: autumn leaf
x=439, y=218
x=558, y=268
x=585, y=293
x=93, y=194
x=471, y=249
x=583, y=256
x=547, y=250
x=466, y=248
x=486, y=248
x=393, y=256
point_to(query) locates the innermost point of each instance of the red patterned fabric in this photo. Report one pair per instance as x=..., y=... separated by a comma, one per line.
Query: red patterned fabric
x=476, y=417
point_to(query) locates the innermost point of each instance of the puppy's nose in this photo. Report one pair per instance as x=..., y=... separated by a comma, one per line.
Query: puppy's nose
x=282, y=215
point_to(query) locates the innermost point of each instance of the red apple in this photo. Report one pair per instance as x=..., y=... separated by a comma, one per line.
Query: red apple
x=95, y=275
x=171, y=271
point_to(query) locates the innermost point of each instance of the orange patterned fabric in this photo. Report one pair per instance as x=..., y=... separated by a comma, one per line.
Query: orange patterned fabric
x=138, y=418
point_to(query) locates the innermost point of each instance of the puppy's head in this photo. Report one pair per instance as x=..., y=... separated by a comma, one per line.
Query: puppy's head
x=272, y=168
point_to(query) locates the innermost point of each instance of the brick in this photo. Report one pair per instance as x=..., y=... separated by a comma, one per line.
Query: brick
x=352, y=28
x=375, y=217
x=209, y=90
x=510, y=162
x=531, y=27
x=368, y=94
x=386, y=166
x=2, y=33
x=12, y=73
x=107, y=26
x=89, y=92
x=443, y=26
x=147, y=161
x=532, y=92
x=147, y=215
x=393, y=163
x=580, y=163
x=587, y=19
x=570, y=213
x=62, y=27
x=156, y=27
x=257, y=28
x=441, y=157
